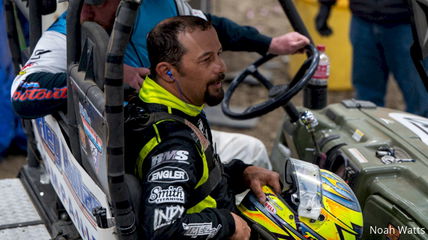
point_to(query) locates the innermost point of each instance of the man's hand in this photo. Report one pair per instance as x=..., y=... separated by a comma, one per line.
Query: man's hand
x=242, y=230
x=134, y=77
x=289, y=43
x=321, y=20
x=256, y=177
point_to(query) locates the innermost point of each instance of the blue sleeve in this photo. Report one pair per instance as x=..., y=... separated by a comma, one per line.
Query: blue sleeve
x=235, y=37
x=40, y=94
x=60, y=24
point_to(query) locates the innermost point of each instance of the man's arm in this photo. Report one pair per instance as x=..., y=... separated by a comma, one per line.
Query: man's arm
x=41, y=86
x=235, y=37
x=243, y=176
x=234, y=170
x=174, y=170
x=40, y=94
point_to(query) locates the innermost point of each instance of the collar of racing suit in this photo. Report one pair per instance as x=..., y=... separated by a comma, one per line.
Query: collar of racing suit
x=151, y=92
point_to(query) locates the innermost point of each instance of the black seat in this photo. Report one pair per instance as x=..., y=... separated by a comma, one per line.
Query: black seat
x=135, y=191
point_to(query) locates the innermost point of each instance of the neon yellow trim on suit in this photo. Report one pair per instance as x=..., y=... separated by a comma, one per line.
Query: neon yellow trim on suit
x=205, y=171
x=152, y=143
x=151, y=92
x=208, y=202
x=143, y=154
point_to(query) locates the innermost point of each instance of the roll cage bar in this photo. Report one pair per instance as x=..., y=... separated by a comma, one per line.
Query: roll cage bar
x=112, y=90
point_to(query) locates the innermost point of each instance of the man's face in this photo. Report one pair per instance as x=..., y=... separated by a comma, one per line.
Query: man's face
x=201, y=70
x=102, y=14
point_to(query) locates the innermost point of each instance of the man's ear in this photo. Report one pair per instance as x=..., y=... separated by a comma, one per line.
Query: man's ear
x=165, y=71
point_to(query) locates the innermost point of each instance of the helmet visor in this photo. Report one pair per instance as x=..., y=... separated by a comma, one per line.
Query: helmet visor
x=306, y=178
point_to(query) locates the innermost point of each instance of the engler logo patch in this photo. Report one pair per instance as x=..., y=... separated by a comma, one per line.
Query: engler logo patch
x=168, y=175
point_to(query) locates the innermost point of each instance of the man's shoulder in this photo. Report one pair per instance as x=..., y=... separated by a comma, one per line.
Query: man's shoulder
x=140, y=116
x=60, y=24
x=140, y=129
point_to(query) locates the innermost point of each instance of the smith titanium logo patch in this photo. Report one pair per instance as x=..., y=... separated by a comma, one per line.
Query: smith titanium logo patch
x=171, y=156
x=168, y=175
x=170, y=195
x=166, y=216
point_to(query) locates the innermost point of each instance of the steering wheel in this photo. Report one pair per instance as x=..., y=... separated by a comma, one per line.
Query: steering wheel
x=280, y=94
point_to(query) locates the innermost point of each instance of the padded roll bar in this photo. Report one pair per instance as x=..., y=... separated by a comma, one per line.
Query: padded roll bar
x=113, y=90
x=73, y=55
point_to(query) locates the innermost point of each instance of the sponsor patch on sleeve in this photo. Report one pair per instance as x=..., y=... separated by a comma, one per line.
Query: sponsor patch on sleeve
x=172, y=194
x=168, y=175
x=26, y=67
x=201, y=229
x=180, y=156
x=166, y=216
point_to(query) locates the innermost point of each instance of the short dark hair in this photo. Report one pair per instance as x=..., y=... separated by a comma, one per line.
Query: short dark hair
x=162, y=41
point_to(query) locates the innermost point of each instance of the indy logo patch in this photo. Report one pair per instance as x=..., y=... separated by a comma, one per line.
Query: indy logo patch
x=166, y=216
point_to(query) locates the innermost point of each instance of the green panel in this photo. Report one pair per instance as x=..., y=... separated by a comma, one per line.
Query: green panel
x=385, y=191
x=383, y=219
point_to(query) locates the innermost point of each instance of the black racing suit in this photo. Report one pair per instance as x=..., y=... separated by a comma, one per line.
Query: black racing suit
x=171, y=165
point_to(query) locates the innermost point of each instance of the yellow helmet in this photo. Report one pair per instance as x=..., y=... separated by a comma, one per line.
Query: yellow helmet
x=317, y=205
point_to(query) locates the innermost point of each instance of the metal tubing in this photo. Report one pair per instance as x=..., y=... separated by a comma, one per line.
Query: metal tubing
x=73, y=53
x=23, y=8
x=294, y=17
x=113, y=88
x=12, y=34
x=35, y=23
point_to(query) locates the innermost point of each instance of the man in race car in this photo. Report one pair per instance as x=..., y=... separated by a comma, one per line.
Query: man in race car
x=40, y=88
x=187, y=192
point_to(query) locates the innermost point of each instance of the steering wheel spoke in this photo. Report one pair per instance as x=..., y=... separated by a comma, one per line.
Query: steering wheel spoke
x=262, y=79
x=277, y=90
